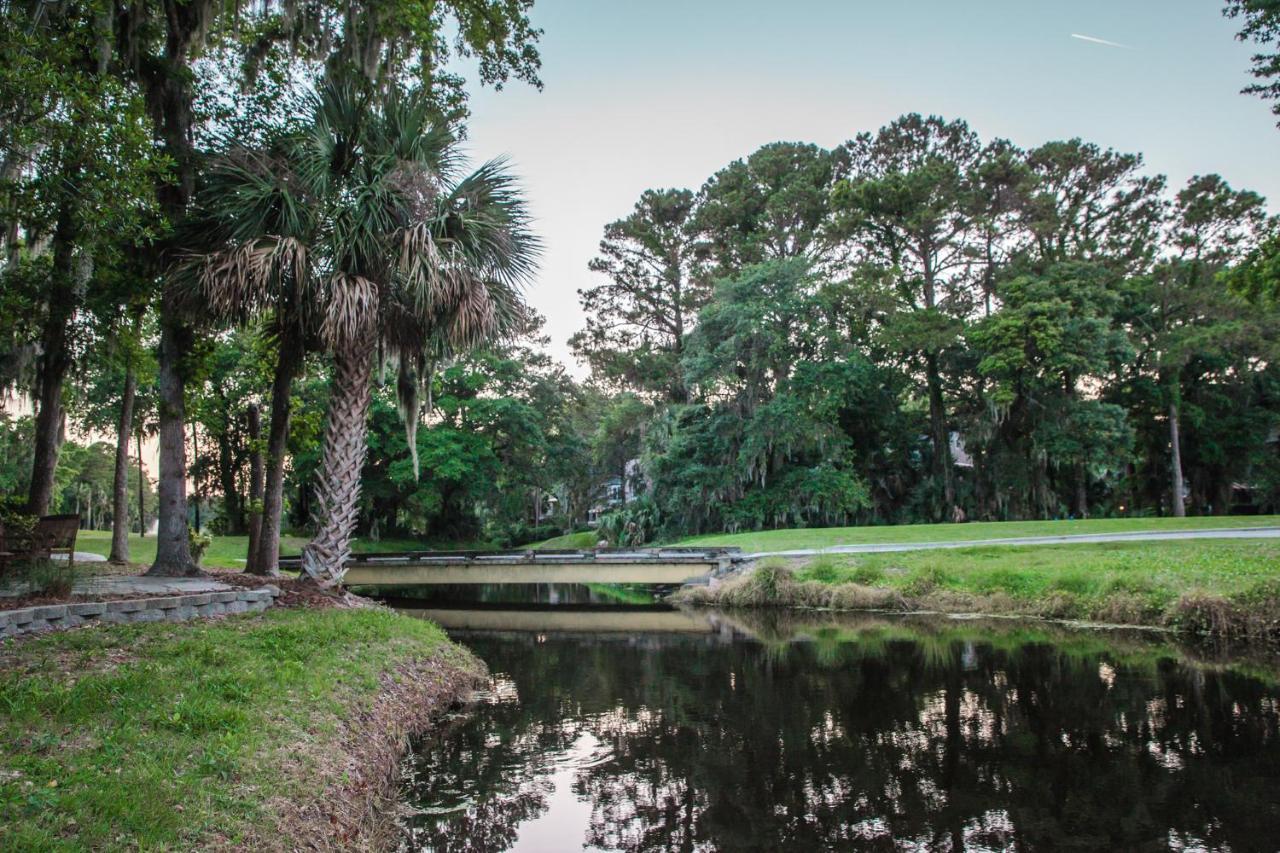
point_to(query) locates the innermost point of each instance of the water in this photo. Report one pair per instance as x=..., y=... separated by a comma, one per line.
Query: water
x=651, y=729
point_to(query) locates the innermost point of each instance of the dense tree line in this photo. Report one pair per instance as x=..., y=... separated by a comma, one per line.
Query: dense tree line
x=246, y=233
x=190, y=162
x=920, y=325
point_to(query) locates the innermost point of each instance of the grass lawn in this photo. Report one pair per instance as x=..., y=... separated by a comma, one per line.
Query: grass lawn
x=228, y=552
x=787, y=540
x=175, y=737
x=586, y=539
x=1216, y=586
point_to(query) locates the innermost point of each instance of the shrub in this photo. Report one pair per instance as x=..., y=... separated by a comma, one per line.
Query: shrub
x=633, y=524
x=52, y=578
x=199, y=544
x=925, y=580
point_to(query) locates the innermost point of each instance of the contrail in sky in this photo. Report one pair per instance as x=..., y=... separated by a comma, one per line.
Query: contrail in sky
x=1100, y=41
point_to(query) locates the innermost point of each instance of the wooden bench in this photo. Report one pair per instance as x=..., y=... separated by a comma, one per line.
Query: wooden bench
x=56, y=534
x=52, y=534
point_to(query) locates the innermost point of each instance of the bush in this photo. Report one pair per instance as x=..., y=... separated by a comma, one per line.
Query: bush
x=52, y=578
x=199, y=543
x=926, y=580
x=631, y=525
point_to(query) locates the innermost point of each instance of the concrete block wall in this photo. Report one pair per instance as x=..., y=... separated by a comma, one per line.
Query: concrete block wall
x=174, y=608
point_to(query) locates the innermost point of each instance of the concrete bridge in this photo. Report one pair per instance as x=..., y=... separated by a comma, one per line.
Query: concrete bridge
x=605, y=565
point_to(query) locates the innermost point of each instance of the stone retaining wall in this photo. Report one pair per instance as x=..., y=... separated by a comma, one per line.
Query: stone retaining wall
x=175, y=608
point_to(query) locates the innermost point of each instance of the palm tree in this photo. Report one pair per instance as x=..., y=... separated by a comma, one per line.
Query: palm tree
x=427, y=267
x=262, y=223
x=355, y=229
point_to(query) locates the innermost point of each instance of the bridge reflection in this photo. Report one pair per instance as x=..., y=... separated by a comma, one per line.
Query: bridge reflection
x=569, y=620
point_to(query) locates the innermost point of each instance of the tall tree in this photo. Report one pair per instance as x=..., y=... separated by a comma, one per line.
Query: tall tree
x=905, y=203
x=1261, y=25
x=78, y=167
x=637, y=319
x=1189, y=310
x=772, y=205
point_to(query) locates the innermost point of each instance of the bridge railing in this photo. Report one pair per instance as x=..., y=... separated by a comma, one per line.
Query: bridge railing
x=562, y=556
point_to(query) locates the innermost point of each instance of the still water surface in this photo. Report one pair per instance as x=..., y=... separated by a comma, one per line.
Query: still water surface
x=644, y=728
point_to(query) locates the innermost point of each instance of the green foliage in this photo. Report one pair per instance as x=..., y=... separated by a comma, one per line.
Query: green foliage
x=1260, y=24
x=46, y=577
x=636, y=523
x=198, y=542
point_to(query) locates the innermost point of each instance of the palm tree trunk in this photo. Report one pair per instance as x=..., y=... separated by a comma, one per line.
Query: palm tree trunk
x=255, y=481
x=173, y=550
x=120, y=484
x=265, y=560
x=338, y=493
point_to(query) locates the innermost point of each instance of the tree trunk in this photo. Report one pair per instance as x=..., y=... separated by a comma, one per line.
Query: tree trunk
x=168, y=88
x=173, y=551
x=255, y=481
x=266, y=559
x=142, y=490
x=338, y=492
x=120, y=484
x=232, y=502
x=195, y=461
x=941, y=440
x=1082, y=492
x=1175, y=461
x=55, y=359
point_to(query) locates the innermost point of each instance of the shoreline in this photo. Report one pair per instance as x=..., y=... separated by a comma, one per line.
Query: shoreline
x=787, y=585
x=359, y=809
x=277, y=731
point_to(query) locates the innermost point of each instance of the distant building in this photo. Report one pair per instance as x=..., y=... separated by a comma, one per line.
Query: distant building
x=616, y=491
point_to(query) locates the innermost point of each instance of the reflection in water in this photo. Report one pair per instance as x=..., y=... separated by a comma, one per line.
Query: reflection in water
x=866, y=734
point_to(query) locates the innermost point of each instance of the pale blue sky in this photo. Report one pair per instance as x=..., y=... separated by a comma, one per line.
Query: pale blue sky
x=661, y=93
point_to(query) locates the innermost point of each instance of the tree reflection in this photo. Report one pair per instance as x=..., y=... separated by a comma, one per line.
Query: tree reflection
x=863, y=741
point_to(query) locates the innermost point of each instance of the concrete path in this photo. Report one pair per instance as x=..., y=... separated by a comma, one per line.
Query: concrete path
x=1079, y=538
x=81, y=557
x=132, y=585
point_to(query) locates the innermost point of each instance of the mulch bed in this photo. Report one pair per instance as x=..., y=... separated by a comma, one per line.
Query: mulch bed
x=296, y=592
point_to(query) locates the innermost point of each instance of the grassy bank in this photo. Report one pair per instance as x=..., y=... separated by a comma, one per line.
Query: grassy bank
x=1221, y=587
x=586, y=539
x=265, y=732
x=788, y=540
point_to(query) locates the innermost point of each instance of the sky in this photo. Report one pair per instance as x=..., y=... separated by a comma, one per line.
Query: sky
x=643, y=94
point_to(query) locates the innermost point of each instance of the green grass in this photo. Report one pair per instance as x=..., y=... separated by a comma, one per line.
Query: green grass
x=586, y=539
x=787, y=540
x=166, y=736
x=1227, y=587
x=1161, y=570
x=228, y=552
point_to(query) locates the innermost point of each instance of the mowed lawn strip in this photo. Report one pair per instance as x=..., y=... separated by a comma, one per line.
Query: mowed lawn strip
x=1156, y=571
x=827, y=537
x=172, y=736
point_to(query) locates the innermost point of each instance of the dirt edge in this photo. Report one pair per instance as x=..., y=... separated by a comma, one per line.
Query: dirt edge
x=357, y=807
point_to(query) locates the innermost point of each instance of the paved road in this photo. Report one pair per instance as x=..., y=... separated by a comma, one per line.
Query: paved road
x=1140, y=536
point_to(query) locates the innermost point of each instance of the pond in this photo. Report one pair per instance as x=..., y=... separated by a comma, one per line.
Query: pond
x=639, y=727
